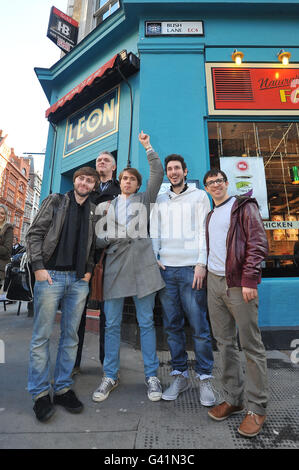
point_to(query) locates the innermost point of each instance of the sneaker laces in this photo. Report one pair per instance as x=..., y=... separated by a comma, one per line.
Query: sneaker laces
x=153, y=381
x=105, y=381
x=210, y=386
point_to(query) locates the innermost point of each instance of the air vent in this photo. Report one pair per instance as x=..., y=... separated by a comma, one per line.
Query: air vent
x=232, y=84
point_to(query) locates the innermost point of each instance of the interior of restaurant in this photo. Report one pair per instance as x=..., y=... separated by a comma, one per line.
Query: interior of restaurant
x=275, y=180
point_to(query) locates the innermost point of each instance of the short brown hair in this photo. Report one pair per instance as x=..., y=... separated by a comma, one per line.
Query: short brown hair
x=213, y=172
x=87, y=171
x=173, y=158
x=132, y=171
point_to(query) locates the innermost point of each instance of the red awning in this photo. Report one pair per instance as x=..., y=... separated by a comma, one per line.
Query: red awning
x=79, y=88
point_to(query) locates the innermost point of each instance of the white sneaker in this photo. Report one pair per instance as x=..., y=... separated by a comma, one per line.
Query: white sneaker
x=179, y=385
x=207, y=395
x=154, y=388
x=105, y=387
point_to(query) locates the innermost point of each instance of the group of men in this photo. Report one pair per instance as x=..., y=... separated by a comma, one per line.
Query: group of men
x=198, y=260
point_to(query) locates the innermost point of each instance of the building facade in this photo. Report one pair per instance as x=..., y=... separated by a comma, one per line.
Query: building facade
x=14, y=175
x=217, y=82
x=32, y=198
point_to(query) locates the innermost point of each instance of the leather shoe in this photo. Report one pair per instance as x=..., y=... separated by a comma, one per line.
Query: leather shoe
x=223, y=411
x=251, y=424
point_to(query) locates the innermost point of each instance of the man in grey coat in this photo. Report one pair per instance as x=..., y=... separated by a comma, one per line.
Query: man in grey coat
x=130, y=270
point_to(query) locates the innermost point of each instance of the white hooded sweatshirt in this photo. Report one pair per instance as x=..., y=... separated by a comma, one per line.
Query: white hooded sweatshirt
x=178, y=227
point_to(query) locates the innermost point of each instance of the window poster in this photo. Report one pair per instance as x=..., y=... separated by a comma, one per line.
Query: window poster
x=246, y=176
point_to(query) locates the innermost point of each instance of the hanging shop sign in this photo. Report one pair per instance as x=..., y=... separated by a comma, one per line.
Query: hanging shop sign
x=256, y=89
x=92, y=123
x=246, y=176
x=174, y=28
x=62, y=30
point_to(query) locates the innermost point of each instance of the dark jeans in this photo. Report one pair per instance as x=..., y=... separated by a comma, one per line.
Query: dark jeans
x=178, y=298
x=81, y=333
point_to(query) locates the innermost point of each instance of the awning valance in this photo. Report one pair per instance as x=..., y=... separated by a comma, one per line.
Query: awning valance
x=106, y=77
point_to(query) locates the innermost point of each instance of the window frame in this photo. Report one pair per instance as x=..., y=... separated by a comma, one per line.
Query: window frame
x=104, y=9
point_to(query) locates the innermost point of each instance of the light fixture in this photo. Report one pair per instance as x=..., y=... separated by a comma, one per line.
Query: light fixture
x=284, y=57
x=237, y=57
x=294, y=174
x=123, y=55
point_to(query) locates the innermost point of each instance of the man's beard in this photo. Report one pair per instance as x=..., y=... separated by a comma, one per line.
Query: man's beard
x=180, y=183
x=86, y=193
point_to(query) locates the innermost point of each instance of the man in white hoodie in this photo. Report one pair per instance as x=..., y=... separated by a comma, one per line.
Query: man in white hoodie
x=178, y=236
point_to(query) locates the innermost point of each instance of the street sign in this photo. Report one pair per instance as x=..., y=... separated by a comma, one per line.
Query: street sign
x=62, y=30
x=174, y=28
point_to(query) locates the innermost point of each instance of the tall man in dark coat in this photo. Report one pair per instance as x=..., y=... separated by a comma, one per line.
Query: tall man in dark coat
x=107, y=190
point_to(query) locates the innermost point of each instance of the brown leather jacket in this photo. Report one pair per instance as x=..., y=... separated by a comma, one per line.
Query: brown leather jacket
x=246, y=244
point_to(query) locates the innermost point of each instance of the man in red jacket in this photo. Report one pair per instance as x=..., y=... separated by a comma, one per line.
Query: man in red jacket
x=237, y=244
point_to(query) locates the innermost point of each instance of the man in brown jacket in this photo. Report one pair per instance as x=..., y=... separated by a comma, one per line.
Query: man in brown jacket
x=237, y=244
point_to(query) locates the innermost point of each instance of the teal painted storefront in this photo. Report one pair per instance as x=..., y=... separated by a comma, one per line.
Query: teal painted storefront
x=170, y=95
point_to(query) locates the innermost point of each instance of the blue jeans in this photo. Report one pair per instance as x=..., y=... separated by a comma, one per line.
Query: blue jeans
x=144, y=311
x=179, y=297
x=70, y=293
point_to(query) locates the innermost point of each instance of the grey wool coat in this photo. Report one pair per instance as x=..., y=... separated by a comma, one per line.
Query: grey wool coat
x=131, y=267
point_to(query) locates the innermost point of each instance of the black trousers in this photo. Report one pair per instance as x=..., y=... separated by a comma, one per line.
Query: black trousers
x=81, y=333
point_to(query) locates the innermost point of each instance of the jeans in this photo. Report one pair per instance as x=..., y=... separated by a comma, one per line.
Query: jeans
x=70, y=293
x=178, y=298
x=144, y=311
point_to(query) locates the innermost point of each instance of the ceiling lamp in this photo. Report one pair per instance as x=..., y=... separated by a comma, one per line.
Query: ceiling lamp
x=284, y=57
x=294, y=174
x=237, y=57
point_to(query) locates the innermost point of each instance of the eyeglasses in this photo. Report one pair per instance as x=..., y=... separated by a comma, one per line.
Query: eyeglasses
x=218, y=181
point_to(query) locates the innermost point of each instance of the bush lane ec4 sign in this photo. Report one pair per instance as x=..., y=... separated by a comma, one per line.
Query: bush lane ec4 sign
x=62, y=30
x=92, y=123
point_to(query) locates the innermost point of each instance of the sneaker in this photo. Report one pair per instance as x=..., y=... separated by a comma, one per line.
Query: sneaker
x=43, y=408
x=251, y=424
x=105, y=387
x=69, y=401
x=179, y=385
x=154, y=388
x=207, y=395
x=223, y=411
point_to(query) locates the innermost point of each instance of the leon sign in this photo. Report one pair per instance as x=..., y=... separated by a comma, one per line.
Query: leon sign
x=92, y=123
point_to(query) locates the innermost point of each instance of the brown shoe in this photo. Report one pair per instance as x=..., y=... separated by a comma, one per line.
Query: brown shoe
x=223, y=411
x=251, y=424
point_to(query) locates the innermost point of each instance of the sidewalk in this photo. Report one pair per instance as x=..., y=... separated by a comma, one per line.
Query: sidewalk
x=127, y=419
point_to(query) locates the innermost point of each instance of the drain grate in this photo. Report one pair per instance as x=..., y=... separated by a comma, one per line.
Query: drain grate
x=191, y=428
x=280, y=431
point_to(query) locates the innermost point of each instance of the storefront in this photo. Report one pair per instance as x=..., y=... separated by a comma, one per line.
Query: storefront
x=178, y=82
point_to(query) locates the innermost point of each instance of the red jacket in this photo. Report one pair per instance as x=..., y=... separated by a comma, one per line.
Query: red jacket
x=246, y=244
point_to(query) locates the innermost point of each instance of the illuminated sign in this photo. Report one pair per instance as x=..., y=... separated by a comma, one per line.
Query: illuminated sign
x=253, y=89
x=62, y=30
x=92, y=123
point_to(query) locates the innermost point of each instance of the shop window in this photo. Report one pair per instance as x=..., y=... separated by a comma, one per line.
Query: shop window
x=105, y=8
x=262, y=159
